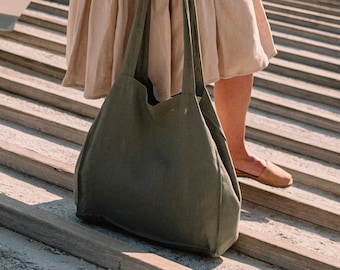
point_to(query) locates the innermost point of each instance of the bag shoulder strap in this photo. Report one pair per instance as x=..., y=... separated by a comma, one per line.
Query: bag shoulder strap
x=135, y=63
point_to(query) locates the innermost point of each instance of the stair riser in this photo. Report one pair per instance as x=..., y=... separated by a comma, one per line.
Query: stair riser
x=48, y=9
x=332, y=9
x=291, y=207
x=111, y=253
x=309, y=61
x=77, y=239
x=331, y=82
x=44, y=23
x=35, y=41
x=296, y=146
x=61, y=48
x=330, y=51
x=305, y=23
x=76, y=107
x=64, y=2
x=40, y=95
x=330, y=4
x=287, y=258
x=304, y=75
x=296, y=92
x=43, y=68
x=301, y=13
x=78, y=136
x=326, y=38
x=56, y=174
x=314, y=120
x=37, y=166
x=43, y=125
x=331, y=187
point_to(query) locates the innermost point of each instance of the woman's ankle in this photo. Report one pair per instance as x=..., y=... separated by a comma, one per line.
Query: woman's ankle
x=250, y=164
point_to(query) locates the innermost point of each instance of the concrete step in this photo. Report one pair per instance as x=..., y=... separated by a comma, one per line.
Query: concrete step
x=52, y=208
x=293, y=121
x=35, y=149
x=35, y=59
x=38, y=37
x=306, y=32
x=327, y=3
x=21, y=252
x=47, y=90
x=322, y=7
x=44, y=118
x=42, y=19
x=71, y=100
x=301, y=20
x=304, y=111
x=39, y=61
x=308, y=171
x=293, y=136
x=43, y=25
x=304, y=72
x=302, y=12
x=53, y=64
x=306, y=44
x=261, y=126
x=42, y=156
x=309, y=58
x=63, y=2
x=291, y=86
x=312, y=172
x=11, y=80
x=36, y=220
x=50, y=7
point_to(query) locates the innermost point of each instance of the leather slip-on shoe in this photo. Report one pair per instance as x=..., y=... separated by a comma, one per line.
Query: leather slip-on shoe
x=272, y=175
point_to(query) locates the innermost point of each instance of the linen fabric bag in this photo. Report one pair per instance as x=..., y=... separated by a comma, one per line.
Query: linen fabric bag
x=160, y=170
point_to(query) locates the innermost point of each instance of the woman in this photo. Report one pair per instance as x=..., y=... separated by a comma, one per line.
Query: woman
x=235, y=41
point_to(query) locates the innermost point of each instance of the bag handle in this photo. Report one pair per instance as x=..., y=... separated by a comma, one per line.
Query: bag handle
x=192, y=72
x=135, y=63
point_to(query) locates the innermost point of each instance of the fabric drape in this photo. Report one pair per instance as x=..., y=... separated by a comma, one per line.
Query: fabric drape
x=235, y=39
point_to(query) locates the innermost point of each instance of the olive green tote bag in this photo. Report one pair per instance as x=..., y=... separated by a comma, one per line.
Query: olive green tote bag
x=160, y=170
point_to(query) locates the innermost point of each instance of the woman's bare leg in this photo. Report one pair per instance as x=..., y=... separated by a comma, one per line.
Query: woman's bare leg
x=232, y=97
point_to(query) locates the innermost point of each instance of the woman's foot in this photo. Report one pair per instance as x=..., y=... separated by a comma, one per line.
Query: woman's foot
x=271, y=175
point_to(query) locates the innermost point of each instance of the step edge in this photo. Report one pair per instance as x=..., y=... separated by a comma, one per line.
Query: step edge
x=289, y=254
x=115, y=253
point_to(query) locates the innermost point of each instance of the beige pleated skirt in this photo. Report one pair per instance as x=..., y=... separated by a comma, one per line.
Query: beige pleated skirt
x=235, y=40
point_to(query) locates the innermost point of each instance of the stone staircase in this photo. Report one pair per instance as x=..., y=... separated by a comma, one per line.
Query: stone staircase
x=293, y=121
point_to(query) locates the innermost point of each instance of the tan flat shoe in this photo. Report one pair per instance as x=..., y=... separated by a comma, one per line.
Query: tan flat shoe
x=272, y=175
